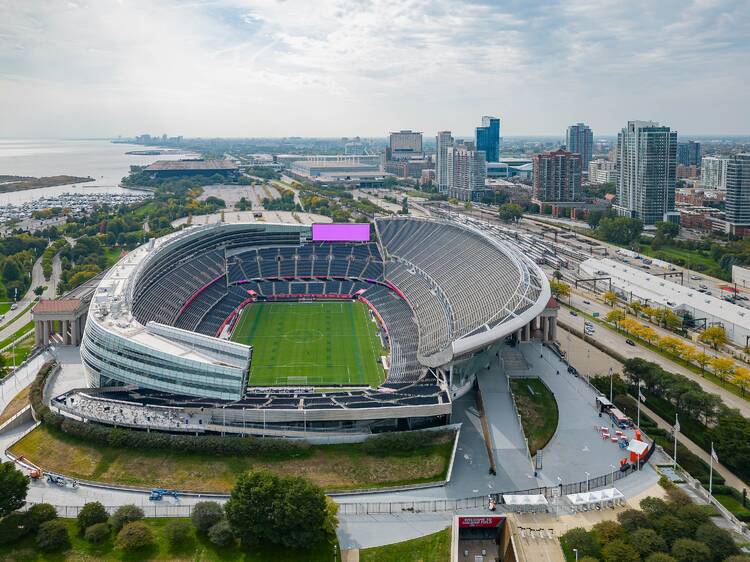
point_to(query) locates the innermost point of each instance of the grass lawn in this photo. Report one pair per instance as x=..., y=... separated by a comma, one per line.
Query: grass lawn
x=332, y=467
x=431, y=548
x=538, y=409
x=25, y=329
x=320, y=343
x=685, y=258
x=734, y=505
x=197, y=547
x=4, y=307
x=15, y=405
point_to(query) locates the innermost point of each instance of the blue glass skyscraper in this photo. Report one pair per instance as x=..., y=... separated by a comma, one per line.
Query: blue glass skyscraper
x=488, y=138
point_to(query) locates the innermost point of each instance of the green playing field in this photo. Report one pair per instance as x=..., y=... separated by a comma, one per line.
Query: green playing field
x=311, y=343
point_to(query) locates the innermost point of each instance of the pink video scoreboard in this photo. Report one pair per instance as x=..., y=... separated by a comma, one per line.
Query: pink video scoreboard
x=347, y=232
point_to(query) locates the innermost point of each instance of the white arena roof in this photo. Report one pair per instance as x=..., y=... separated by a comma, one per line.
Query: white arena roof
x=636, y=283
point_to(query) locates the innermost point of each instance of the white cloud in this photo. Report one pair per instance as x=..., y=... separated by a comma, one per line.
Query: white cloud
x=268, y=67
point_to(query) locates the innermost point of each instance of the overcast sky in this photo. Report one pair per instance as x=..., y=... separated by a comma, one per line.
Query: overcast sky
x=364, y=67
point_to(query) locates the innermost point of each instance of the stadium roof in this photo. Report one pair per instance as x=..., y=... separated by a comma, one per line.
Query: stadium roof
x=191, y=165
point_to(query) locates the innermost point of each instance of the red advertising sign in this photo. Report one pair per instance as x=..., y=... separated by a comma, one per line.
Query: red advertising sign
x=483, y=522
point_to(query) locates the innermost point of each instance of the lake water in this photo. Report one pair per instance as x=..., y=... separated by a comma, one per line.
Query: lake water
x=104, y=161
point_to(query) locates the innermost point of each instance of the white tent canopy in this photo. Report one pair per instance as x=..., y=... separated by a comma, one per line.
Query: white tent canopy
x=522, y=499
x=597, y=496
x=637, y=447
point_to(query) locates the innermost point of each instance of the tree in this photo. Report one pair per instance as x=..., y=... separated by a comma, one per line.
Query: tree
x=660, y=557
x=715, y=336
x=702, y=359
x=671, y=528
x=206, y=514
x=619, y=551
x=97, y=533
x=689, y=550
x=668, y=230
x=125, y=514
x=741, y=378
x=14, y=485
x=177, y=533
x=557, y=275
x=607, y=531
x=52, y=536
x=39, y=513
x=619, y=230
x=719, y=541
x=647, y=541
x=691, y=514
x=135, y=535
x=221, y=534
x=632, y=519
x=610, y=298
x=265, y=508
x=510, y=212
x=630, y=325
x=559, y=289
x=647, y=333
x=583, y=541
x=615, y=317
x=91, y=514
x=671, y=345
x=636, y=306
x=723, y=367
x=39, y=289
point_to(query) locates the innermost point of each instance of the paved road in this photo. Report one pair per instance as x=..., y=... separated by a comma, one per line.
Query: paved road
x=616, y=341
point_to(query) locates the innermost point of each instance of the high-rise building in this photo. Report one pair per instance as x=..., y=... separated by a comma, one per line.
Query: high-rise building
x=737, y=205
x=579, y=139
x=714, y=172
x=443, y=141
x=689, y=153
x=488, y=138
x=467, y=170
x=557, y=176
x=404, y=145
x=646, y=154
x=602, y=171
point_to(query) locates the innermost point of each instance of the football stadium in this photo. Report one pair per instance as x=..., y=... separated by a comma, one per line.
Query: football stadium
x=291, y=330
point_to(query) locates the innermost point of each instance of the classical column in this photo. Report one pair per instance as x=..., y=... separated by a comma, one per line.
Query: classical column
x=543, y=327
x=45, y=332
x=74, y=331
x=553, y=329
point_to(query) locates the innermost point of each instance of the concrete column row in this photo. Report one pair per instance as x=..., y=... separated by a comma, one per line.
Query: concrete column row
x=71, y=331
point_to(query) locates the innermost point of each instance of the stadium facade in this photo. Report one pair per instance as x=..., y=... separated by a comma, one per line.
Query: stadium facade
x=157, y=354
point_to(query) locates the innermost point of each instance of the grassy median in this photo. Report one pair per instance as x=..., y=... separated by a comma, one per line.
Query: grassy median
x=538, y=409
x=332, y=467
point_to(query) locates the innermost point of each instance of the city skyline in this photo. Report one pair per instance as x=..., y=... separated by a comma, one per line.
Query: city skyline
x=258, y=68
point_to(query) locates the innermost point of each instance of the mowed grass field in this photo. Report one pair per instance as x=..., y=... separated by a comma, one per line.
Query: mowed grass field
x=311, y=343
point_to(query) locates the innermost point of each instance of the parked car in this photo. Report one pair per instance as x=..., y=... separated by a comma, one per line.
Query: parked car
x=630, y=342
x=573, y=313
x=586, y=302
x=13, y=306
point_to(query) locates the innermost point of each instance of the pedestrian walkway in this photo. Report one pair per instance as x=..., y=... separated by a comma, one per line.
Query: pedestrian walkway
x=507, y=441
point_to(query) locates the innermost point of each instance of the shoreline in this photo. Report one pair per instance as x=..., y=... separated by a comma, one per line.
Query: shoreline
x=27, y=184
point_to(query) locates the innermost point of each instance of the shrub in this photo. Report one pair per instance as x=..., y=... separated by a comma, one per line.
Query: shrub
x=97, y=533
x=689, y=550
x=12, y=528
x=124, y=515
x=177, y=533
x=738, y=558
x=206, y=514
x=52, y=536
x=37, y=514
x=91, y=514
x=135, y=535
x=582, y=540
x=221, y=534
x=678, y=498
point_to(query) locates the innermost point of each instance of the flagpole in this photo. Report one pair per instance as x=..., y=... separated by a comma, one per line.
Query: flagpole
x=676, y=429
